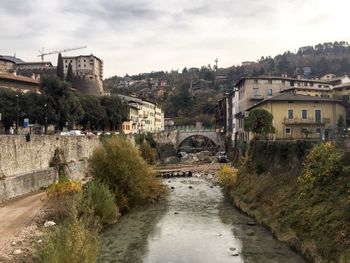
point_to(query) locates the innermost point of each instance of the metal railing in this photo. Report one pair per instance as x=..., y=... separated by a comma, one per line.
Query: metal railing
x=306, y=121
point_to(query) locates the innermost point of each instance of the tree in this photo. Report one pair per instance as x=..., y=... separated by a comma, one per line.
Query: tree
x=69, y=73
x=60, y=72
x=259, y=122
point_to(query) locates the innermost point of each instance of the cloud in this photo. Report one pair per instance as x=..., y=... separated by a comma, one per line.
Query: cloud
x=143, y=35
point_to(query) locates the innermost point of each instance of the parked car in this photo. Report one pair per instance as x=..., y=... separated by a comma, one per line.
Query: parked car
x=222, y=157
x=76, y=133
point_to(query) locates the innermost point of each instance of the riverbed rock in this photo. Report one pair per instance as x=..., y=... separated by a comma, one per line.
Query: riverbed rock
x=251, y=223
x=232, y=248
x=17, y=252
x=49, y=224
x=190, y=187
x=235, y=255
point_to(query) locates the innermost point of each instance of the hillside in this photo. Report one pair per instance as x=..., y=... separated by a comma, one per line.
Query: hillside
x=190, y=95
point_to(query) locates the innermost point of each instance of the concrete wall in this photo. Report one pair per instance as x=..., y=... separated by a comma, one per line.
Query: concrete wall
x=25, y=166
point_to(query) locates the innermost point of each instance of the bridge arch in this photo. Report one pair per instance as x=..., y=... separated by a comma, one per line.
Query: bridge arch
x=182, y=136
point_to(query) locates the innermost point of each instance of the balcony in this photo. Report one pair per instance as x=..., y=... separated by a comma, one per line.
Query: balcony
x=256, y=97
x=301, y=121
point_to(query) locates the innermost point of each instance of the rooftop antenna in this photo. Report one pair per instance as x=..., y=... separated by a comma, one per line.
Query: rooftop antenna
x=216, y=64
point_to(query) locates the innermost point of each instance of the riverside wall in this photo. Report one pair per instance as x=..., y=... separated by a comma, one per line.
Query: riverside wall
x=25, y=165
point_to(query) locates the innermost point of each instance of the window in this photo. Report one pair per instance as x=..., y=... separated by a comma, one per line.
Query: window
x=290, y=114
x=318, y=130
x=304, y=114
x=269, y=92
x=288, y=131
x=318, y=115
x=270, y=81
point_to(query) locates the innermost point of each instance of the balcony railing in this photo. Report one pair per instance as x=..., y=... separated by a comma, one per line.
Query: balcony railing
x=256, y=97
x=306, y=121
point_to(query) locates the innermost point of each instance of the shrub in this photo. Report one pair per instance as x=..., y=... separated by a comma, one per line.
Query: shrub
x=227, y=177
x=61, y=198
x=70, y=242
x=118, y=164
x=323, y=161
x=101, y=200
x=148, y=153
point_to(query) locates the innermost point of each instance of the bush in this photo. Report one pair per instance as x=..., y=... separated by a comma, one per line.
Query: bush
x=118, y=164
x=101, y=200
x=148, y=153
x=61, y=198
x=227, y=177
x=70, y=242
x=323, y=161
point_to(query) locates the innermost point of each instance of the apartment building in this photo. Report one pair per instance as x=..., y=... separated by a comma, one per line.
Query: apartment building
x=253, y=90
x=143, y=116
x=298, y=116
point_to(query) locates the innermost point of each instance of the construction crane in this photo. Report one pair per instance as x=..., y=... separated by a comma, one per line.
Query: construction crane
x=42, y=53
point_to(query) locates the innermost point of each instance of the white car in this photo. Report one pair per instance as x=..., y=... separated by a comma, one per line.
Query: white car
x=76, y=133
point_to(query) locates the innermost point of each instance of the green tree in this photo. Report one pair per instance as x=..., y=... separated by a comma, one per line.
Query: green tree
x=94, y=113
x=60, y=72
x=69, y=73
x=116, y=111
x=63, y=106
x=259, y=122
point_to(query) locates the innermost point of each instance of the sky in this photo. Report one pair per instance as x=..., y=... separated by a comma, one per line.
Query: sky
x=136, y=36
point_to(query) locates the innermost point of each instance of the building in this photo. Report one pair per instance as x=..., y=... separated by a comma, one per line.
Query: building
x=35, y=69
x=299, y=116
x=18, y=83
x=87, y=73
x=159, y=119
x=143, y=116
x=8, y=63
x=250, y=91
x=149, y=109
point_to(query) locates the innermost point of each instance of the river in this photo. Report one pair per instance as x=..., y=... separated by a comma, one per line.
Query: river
x=196, y=224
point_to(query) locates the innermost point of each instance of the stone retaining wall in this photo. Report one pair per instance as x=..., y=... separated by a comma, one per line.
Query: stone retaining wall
x=25, y=166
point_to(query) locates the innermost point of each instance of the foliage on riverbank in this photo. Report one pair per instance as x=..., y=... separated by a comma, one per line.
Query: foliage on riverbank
x=118, y=164
x=227, y=177
x=271, y=187
x=80, y=213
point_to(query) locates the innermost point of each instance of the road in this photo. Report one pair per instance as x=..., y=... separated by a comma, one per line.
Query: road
x=16, y=215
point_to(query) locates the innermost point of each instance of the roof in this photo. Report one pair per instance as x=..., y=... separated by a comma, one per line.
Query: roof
x=12, y=77
x=344, y=85
x=130, y=98
x=85, y=56
x=34, y=63
x=296, y=97
x=282, y=78
x=11, y=59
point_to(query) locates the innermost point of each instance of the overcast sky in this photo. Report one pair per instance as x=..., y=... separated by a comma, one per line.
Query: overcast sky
x=134, y=36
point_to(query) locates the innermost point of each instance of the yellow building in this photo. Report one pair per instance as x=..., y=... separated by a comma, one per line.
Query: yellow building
x=300, y=116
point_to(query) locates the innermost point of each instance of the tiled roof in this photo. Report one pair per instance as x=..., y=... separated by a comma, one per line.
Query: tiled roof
x=12, y=59
x=12, y=77
x=296, y=97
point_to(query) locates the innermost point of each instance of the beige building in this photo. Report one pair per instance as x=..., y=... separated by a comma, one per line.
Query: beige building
x=299, y=116
x=159, y=119
x=144, y=116
x=149, y=110
x=251, y=91
x=88, y=73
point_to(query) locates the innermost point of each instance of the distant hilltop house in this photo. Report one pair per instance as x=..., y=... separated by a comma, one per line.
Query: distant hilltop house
x=87, y=72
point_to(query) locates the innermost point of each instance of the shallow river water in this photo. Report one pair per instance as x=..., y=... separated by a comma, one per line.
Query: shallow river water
x=196, y=224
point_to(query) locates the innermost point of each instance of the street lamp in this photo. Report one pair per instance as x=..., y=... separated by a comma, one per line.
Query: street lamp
x=45, y=105
x=17, y=114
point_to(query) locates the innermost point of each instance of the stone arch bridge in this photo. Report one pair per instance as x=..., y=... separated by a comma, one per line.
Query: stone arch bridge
x=178, y=136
